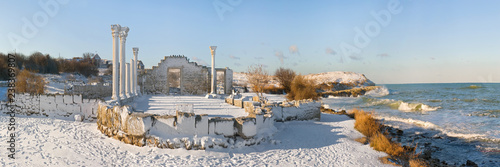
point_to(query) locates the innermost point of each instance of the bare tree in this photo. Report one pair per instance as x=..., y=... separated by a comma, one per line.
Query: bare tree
x=285, y=77
x=258, y=78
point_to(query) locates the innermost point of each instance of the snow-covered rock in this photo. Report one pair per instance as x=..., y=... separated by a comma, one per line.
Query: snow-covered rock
x=341, y=77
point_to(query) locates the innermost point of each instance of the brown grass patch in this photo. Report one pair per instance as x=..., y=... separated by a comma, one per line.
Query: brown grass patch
x=371, y=128
x=365, y=123
x=418, y=163
x=362, y=140
x=380, y=142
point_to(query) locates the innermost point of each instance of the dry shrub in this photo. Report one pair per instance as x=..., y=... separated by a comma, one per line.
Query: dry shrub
x=272, y=89
x=365, y=123
x=302, y=88
x=285, y=77
x=380, y=142
x=27, y=82
x=418, y=163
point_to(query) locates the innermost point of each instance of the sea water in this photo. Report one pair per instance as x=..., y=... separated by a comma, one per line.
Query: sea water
x=466, y=114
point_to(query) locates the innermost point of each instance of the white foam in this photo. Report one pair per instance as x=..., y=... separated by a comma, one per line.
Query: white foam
x=429, y=125
x=379, y=92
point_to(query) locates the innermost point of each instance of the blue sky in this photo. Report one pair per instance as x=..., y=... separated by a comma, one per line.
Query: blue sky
x=422, y=42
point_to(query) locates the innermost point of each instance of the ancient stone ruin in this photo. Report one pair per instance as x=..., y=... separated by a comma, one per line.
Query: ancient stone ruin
x=177, y=75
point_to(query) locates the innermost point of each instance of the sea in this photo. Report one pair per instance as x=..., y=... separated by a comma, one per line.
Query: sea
x=457, y=121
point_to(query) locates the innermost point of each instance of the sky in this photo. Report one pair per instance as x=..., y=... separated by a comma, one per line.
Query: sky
x=389, y=41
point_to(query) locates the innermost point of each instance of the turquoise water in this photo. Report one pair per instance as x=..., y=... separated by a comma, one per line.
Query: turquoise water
x=467, y=111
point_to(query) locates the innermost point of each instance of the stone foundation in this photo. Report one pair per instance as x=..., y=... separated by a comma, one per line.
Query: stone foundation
x=136, y=128
x=283, y=111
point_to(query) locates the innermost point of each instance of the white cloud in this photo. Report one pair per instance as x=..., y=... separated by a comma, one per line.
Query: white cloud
x=280, y=56
x=294, y=49
x=234, y=57
x=330, y=51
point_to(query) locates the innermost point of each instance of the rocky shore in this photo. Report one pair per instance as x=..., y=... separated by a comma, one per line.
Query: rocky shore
x=427, y=144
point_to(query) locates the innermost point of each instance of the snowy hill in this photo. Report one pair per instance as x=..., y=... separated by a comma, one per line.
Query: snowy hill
x=341, y=77
x=350, y=78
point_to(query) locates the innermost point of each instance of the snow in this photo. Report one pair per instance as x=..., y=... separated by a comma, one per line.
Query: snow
x=166, y=105
x=57, y=83
x=340, y=77
x=45, y=141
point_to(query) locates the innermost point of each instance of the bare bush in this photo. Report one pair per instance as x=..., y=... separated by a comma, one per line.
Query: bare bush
x=285, y=77
x=258, y=78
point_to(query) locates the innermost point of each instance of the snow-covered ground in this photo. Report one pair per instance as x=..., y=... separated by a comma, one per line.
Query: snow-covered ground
x=162, y=104
x=44, y=141
x=57, y=83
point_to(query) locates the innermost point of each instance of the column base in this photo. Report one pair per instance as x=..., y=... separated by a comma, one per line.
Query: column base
x=212, y=96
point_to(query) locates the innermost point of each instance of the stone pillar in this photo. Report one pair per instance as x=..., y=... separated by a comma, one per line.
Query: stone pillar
x=127, y=80
x=132, y=93
x=123, y=38
x=115, y=29
x=214, y=73
x=136, y=51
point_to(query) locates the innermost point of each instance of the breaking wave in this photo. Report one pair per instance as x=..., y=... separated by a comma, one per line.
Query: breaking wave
x=401, y=105
x=379, y=92
x=431, y=126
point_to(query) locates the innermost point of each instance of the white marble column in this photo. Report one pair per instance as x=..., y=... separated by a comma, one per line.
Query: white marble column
x=136, y=51
x=132, y=93
x=123, y=38
x=127, y=80
x=214, y=73
x=115, y=29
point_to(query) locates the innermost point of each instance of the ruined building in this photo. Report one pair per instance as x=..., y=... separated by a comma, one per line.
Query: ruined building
x=177, y=75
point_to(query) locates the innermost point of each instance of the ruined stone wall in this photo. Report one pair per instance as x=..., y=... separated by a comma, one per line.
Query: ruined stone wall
x=56, y=105
x=284, y=111
x=142, y=129
x=194, y=77
x=91, y=91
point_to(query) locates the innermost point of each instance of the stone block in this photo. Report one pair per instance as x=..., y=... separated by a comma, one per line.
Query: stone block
x=185, y=122
x=164, y=126
x=138, y=124
x=246, y=127
x=201, y=124
x=238, y=103
x=68, y=99
x=223, y=126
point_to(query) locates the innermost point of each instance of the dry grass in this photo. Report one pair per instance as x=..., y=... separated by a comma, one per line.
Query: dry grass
x=362, y=140
x=365, y=123
x=369, y=127
x=380, y=142
x=417, y=163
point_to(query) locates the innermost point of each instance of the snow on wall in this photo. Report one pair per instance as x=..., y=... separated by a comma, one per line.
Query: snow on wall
x=56, y=105
x=138, y=129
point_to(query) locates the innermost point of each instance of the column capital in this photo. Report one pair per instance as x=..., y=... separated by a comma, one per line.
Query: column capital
x=124, y=33
x=212, y=49
x=135, y=49
x=115, y=30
